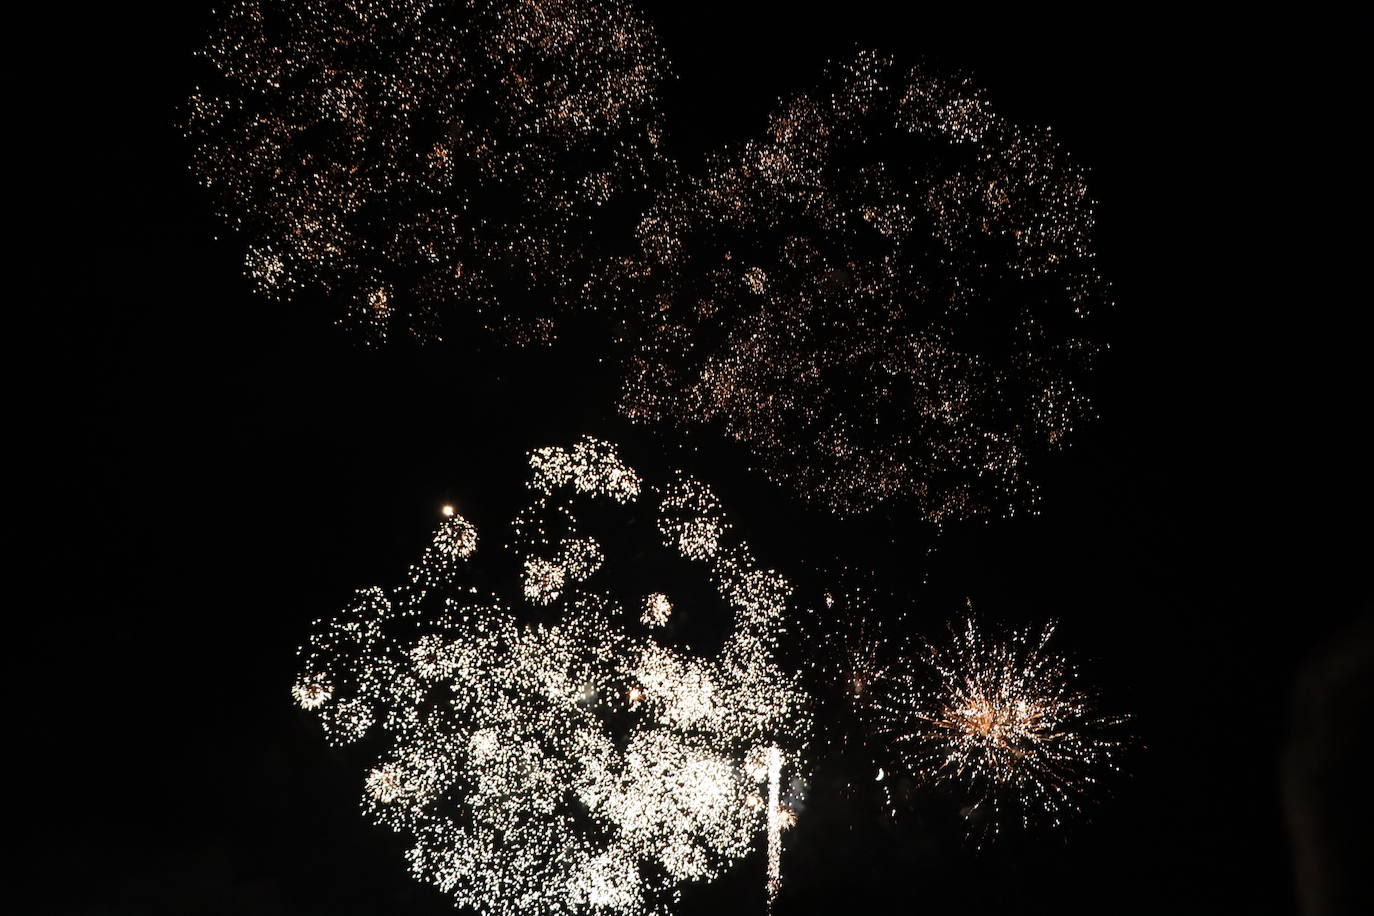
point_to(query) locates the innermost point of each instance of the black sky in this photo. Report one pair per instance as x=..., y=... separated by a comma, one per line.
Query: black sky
x=214, y=471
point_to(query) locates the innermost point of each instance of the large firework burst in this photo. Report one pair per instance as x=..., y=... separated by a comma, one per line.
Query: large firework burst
x=887, y=296
x=425, y=163
x=1001, y=718
x=554, y=748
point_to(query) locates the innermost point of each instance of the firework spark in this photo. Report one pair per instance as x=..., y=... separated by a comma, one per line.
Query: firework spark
x=579, y=764
x=1003, y=719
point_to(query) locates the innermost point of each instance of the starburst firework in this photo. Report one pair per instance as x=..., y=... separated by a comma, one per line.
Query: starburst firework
x=1003, y=719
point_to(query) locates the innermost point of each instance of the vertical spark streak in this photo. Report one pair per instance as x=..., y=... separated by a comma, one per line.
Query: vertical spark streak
x=774, y=826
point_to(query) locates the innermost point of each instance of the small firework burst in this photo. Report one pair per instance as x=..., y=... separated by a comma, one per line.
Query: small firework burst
x=852, y=633
x=1004, y=719
x=862, y=649
x=657, y=608
x=311, y=692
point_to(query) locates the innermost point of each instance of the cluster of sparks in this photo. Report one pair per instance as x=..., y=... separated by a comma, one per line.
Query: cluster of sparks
x=887, y=296
x=550, y=752
x=853, y=653
x=425, y=163
x=1001, y=718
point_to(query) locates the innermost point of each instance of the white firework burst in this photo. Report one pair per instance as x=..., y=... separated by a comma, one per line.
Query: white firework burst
x=577, y=763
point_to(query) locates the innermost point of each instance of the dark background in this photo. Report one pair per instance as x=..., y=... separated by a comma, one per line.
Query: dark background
x=213, y=471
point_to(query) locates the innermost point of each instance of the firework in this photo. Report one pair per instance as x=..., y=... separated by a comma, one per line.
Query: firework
x=887, y=296
x=853, y=632
x=1003, y=719
x=547, y=753
x=855, y=654
x=425, y=163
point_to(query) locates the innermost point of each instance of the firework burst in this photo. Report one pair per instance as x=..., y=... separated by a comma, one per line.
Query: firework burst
x=425, y=163
x=548, y=749
x=888, y=295
x=850, y=647
x=1003, y=719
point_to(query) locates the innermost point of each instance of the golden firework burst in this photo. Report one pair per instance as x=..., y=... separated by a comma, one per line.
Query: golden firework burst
x=1004, y=719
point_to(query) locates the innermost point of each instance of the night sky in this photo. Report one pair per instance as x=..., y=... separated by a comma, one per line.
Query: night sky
x=215, y=471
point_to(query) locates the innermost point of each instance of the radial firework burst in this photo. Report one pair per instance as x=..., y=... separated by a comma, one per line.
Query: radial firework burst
x=1001, y=718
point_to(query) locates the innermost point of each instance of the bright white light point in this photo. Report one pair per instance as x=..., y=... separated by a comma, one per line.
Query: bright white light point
x=880, y=775
x=448, y=511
